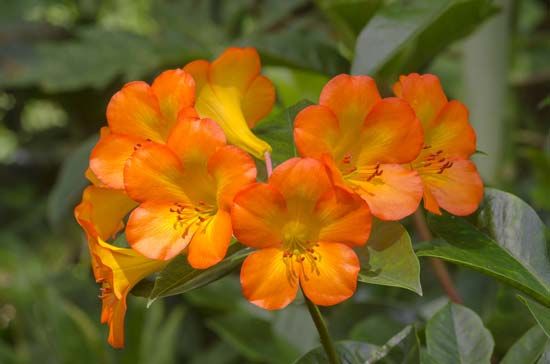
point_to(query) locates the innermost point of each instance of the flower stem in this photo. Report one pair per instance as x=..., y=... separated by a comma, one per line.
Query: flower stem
x=438, y=266
x=324, y=335
x=268, y=164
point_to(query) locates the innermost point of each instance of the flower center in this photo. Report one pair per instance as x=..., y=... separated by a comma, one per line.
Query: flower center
x=189, y=217
x=432, y=161
x=299, y=250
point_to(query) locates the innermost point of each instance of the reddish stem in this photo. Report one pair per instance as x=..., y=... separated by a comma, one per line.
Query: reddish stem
x=268, y=164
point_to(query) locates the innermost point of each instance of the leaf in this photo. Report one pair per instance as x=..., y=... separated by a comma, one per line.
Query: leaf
x=179, y=277
x=253, y=337
x=519, y=257
x=70, y=182
x=388, y=259
x=403, y=36
x=277, y=130
x=539, y=312
x=528, y=348
x=456, y=335
x=349, y=352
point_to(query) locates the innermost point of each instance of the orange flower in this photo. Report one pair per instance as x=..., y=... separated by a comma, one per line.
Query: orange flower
x=365, y=140
x=231, y=91
x=185, y=190
x=305, y=228
x=118, y=270
x=137, y=113
x=450, y=179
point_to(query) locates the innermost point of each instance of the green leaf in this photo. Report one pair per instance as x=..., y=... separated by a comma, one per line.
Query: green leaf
x=539, y=312
x=528, y=348
x=388, y=259
x=404, y=35
x=253, y=337
x=456, y=334
x=70, y=182
x=179, y=277
x=349, y=352
x=277, y=130
x=515, y=253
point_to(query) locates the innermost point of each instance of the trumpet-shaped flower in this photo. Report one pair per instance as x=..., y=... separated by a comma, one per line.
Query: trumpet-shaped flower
x=231, y=91
x=450, y=179
x=365, y=140
x=304, y=228
x=185, y=190
x=139, y=113
x=118, y=270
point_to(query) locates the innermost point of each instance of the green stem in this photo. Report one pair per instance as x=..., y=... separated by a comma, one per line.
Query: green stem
x=324, y=335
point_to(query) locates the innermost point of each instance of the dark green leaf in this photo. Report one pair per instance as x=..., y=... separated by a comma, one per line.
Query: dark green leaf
x=67, y=190
x=528, y=348
x=456, y=334
x=388, y=258
x=254, y=338
x=349, y=352
x=539, y=312
x=516, y=255
x=179, y=277
x=404, y=35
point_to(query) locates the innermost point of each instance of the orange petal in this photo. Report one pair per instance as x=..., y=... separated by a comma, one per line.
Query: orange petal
x=235, y=68
x=265, y=282
x=258, y=100
x=257, y=216
x=153, y=230
x=109, y=156
x=302, y=181
x=316, y=131
x=199, y=71
x=458, y=189
x=345, y=218
x=232, y=170
x=424, y=93
x=116, y=325
x=135, y=111
x=451, y=132
x=209, y=244
x=392, y=195
x=336, y=280
x=350, y=98
x=175, y=91
x=391, y=134
x=154, y=173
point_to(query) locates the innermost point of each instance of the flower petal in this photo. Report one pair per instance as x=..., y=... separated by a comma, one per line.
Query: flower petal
x=458, y=189
x=258, y=100
x=154, y=231
x=116, y=324
x=199, y=71
x=257, y=216
x=235, y=68
x=337, y=279
x=109, y=156
x=175, y=91
x=424, y=93
x=232, y=169
x=135, y=111
x=316, y=132
x=209, y=244
x=391, y=134
x=451, y=132
x=154, y=173
x=264, y=280
x=392, y=195
x=345, y=218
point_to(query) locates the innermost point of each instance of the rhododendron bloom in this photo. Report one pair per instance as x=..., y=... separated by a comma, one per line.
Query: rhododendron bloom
x=451, y=180
x=138, y=113
x=118, y=270
x=365, y=140
x=185, y=189
x=231, y=91
x=304, y=228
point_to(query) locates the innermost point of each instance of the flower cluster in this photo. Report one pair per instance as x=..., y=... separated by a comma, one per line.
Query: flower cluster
x=174, y=172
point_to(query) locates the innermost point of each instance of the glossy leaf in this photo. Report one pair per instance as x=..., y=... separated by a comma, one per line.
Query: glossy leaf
x=388, y=259
x=519, y=257
x=539, y=312
x=403, y=36
x=456, y=335
x=179, y=277
x=528, y=348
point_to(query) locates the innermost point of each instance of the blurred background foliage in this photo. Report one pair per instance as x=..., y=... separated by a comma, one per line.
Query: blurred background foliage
x=61, y=60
